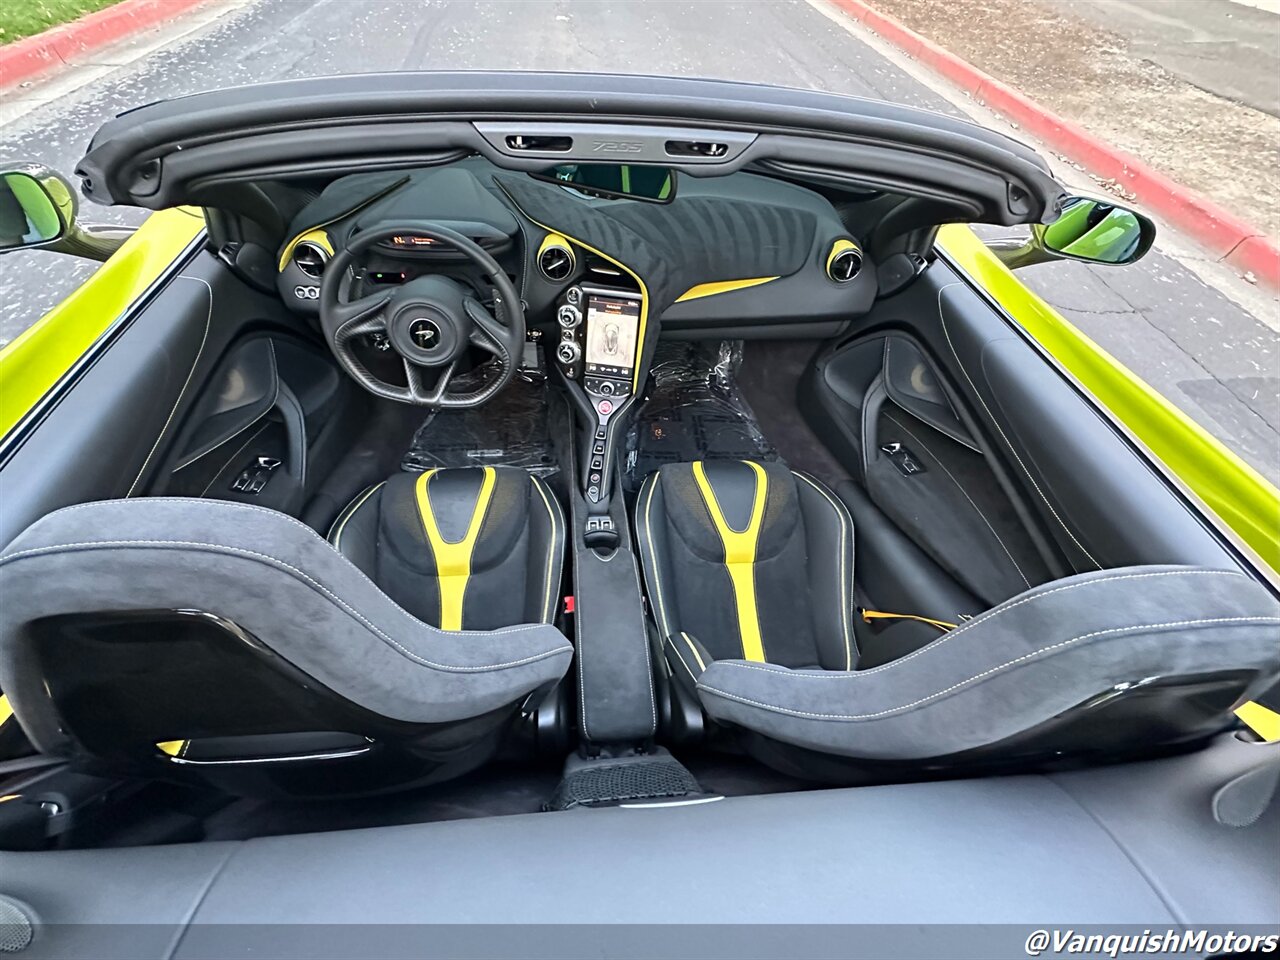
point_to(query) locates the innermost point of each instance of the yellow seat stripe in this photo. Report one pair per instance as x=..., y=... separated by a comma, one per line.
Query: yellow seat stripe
x=6, y=711
x=453, y=559
x=740, y=555
x=1262, y=721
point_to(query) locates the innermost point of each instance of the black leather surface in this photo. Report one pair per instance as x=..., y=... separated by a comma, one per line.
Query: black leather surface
x=518, y=557
x=803, y=569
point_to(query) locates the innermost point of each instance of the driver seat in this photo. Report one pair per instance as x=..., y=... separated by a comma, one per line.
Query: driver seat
x=470, y=548
x=178, y=638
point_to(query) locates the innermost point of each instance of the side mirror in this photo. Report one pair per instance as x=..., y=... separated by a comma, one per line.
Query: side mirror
x=38, y=210
x=1089, y=229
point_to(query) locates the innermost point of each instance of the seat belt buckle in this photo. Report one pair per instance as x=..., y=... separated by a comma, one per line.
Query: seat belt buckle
x=569, y=605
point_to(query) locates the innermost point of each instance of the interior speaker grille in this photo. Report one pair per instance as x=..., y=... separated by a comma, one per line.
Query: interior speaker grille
x=15, y=925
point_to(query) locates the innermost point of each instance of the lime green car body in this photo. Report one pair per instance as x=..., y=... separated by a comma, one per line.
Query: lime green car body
x=1245, y=503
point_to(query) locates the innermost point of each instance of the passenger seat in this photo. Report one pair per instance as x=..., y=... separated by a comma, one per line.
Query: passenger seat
x=749, y=570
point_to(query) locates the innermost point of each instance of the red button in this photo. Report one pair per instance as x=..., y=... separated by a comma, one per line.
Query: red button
x=605, y=407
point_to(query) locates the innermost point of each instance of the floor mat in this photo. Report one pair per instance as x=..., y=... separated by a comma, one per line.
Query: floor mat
x=512, y=430
x=694, y=411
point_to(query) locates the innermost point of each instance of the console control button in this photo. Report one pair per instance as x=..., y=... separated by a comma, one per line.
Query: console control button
x=605, y=407
x=568, y=352
x=593, y=493
x=573, y=295
x=597, y=463
x=598, y=448
x=569, y=316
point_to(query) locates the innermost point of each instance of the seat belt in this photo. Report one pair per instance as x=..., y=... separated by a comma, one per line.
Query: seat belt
x=871, y=615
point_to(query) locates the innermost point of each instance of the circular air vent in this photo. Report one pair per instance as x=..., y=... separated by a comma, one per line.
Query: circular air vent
x=555, y=259
x=310, y=258
x=844, y=262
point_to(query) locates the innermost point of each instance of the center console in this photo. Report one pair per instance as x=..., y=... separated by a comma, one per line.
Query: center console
x=599, y=350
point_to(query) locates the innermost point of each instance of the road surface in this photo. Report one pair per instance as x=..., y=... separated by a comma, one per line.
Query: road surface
x=1212, y=357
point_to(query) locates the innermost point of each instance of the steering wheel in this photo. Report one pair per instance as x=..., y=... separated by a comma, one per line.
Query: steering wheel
x=429, y=322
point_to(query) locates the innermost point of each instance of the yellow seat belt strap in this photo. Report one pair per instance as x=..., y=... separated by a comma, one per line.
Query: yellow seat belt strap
x=453, y=558
x=869, y=615
x=1261, y=720
x=740, y=555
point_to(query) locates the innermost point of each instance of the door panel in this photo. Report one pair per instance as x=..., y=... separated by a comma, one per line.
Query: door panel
x=118, y=427
x=978, y=452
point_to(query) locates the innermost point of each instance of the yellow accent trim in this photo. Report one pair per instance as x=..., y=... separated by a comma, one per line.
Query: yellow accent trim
x=10, y=796
x=869, y=615
x=1262, y=721
x=721, y=286
x=314, y=235
x=172, y=747
x=644, y=291
x=839, y=247
x=740, y=555
x=453, y=559
x=6, y=711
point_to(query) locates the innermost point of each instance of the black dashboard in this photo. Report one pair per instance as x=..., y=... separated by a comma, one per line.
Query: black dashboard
x=738, y=255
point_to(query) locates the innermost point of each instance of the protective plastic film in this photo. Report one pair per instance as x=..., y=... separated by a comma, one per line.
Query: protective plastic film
x=511, y=429
x=694, y=411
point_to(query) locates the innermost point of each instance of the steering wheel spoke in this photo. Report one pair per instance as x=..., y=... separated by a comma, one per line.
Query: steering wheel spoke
x=417, y=383
x=360, y=317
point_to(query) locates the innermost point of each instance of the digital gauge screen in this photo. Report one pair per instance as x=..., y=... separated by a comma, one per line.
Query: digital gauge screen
x=612, y=326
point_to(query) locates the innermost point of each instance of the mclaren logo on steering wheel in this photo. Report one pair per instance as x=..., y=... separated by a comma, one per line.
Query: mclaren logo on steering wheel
x=424, y=334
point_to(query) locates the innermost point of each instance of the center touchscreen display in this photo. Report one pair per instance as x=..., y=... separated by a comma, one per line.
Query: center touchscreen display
x=612, y=324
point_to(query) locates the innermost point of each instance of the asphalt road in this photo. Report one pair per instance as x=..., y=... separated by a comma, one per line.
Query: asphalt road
x=1197, y=347
x=1231, y=51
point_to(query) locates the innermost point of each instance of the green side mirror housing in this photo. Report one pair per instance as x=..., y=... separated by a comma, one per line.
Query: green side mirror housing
x=30, y=215
x=1088, y=229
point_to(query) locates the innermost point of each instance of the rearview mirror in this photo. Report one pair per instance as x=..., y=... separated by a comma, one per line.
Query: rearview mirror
x=630, y=180
x=1089, y=229
x=38, y=209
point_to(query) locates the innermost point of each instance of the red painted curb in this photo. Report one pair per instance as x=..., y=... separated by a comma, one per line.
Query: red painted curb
x=1229, y=238
x=32, y=56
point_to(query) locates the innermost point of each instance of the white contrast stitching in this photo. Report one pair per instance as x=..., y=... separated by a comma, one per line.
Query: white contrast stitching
x=951, y=634
x=275, y=561
x=181, y=393
x=846, y=608
x=335, y=533
x=946, y=332
x=1022, y=576
x=773, y=708
x=549, y=603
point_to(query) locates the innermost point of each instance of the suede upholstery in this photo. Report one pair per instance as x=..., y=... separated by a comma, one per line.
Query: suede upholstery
x=1003, y=673
x=518, y=559
x=1013, y=667
x=277, y=580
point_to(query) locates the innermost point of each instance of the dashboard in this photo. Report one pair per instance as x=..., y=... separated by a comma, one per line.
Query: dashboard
x=740, y=255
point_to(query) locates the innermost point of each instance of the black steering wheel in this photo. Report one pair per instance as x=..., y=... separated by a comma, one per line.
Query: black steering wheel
x=429, y=322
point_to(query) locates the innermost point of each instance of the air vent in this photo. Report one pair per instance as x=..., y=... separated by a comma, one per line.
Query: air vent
x=697, y=148
x=555, y=258
x=539, y=144
x=310, y=258
x=844, y=261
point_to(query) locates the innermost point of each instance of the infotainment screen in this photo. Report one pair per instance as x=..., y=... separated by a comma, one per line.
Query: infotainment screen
x=612, y=325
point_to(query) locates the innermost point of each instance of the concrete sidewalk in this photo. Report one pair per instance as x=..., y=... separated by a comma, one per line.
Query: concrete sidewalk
x=1163, y=80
